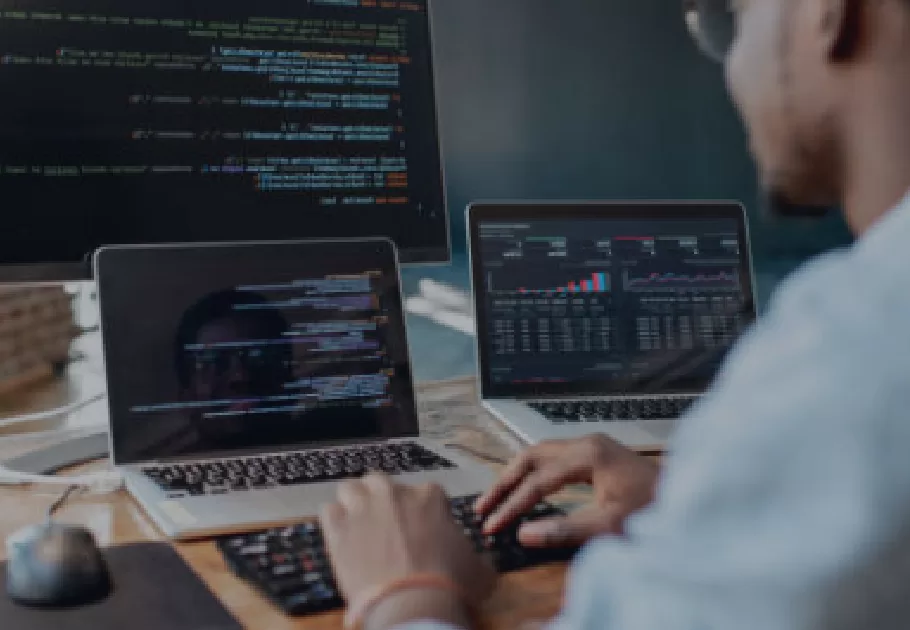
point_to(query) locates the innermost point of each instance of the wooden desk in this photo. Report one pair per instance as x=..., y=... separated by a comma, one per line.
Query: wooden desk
x=448, y=413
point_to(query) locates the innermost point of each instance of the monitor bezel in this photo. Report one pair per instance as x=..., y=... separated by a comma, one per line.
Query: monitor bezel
x=485, y=211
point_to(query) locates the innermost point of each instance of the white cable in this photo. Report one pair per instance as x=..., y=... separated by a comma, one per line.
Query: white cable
x=64, y=434
x=53, y=413
x=103, y=482
x=444, y=296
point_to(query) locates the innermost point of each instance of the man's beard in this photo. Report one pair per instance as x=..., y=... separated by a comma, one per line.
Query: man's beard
x=776, y=205
x=797, y=192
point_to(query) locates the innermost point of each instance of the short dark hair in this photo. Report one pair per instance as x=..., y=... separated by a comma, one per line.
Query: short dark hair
x=220, y=306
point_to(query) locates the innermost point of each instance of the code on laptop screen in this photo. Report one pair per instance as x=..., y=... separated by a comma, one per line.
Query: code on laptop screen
x=244, y=354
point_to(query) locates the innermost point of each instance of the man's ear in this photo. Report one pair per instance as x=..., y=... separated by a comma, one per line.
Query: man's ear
x=839, y=26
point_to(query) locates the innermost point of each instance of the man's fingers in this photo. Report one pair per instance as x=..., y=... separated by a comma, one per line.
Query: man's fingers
x=532, y=489
x=517, y=469
x=330, y=516
x=434, y=492
x=573, y=530
x=352, y=495
x=377, y=480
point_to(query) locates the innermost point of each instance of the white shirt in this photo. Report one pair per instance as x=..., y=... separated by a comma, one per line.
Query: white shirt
x=785, y=503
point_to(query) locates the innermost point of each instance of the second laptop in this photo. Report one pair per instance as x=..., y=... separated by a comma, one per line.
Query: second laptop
x=605, y=317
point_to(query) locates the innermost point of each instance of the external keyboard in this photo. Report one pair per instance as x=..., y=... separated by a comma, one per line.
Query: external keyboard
x=290, y=566
x=252, y=473
x=661, y=408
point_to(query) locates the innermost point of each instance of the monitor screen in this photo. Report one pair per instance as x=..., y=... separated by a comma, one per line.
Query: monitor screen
x=186, y=121
x=609, y=305
x=234, y=348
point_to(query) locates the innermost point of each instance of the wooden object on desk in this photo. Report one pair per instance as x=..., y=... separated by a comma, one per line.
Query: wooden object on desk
x=36, y=330
x=449, y=413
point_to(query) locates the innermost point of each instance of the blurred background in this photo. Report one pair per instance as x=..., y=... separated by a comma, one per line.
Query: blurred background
x=588, y=99
x=593, y=99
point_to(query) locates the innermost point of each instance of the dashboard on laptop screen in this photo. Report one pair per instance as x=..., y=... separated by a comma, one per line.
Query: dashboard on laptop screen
x=603, y=305
x=233, y=348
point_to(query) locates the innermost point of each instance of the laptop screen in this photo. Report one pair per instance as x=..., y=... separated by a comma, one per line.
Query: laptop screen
x=227, y=348
x=610, y=300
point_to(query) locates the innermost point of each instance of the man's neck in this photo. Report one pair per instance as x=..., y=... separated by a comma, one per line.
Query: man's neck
x=877, y=146
x=878, y=177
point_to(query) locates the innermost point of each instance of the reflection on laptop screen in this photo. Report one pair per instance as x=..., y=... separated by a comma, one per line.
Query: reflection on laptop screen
x=625, y=305
x=281, y=358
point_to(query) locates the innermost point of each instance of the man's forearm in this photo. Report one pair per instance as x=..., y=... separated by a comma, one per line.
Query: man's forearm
x=418, y=605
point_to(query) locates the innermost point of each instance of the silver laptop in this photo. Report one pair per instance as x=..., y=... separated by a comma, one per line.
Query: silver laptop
x=605, y=317
x=246, y=381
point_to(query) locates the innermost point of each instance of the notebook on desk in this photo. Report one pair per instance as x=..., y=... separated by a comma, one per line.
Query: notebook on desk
x=247, y=380
x=605, y=317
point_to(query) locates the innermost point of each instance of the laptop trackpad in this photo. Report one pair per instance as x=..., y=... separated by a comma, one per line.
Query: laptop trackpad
x=660, y=429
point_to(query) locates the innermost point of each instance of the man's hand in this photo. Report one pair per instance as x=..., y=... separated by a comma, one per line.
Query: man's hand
x=378, y=532
x=623, y=483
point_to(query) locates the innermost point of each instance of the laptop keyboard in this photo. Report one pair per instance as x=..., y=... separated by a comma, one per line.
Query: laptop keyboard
x=664, y=407
x=288, y=469
x=290, y=566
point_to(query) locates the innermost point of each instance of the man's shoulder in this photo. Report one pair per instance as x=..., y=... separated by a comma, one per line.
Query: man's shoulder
x=858, y=294
x=831, y=345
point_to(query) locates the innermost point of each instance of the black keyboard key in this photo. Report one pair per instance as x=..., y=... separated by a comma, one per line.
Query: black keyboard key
x=253, y=549
x=308, y=603
x=291, y=479
x=313, y=577
x=323, y=592
x=553, y=410
x=284, y=570
x=286, y=587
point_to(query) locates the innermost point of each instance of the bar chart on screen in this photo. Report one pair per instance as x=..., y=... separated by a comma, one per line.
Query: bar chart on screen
x=598, y=282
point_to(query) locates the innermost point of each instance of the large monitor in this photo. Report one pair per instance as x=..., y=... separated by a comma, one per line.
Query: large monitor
x=181, y=121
